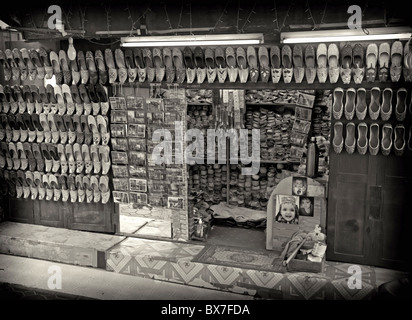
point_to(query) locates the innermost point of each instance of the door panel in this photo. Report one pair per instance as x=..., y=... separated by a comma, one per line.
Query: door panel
x=50, y=213
x=91, y=217
x=21, y=210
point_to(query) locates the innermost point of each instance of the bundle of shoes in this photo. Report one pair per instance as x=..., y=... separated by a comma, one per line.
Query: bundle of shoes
x=210, y=180
x=57, y=131
x=381, y=105
x=271, y=96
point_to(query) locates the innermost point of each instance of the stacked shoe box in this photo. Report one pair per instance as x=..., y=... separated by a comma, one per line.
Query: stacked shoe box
x=55, y=142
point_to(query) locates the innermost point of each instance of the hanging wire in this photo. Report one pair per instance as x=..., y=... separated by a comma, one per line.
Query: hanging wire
x=365, y=30
x=291, y=4
x=190, y=17
x=180, y=17
x=238, y=16
x=219, y=20
x=276, y=16
x=108, y=17
x=324, y=12
x=310, y=15
x=68, y=16
x=248, y=17
x=82, y=16
x=133, y=27
x=167, y=16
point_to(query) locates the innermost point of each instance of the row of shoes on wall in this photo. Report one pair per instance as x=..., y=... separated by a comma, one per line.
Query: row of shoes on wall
x=372, y=138
x=54, y=128
x=54, y=187
x=64, y=99
x=56, y=158
x=353, y=102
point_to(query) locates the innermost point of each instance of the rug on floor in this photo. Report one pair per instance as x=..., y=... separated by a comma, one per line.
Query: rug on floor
x=240, y=258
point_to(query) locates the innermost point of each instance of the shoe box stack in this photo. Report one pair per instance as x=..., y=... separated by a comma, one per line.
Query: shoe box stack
x=377, y=121
x=54, y=139
x=210, y=179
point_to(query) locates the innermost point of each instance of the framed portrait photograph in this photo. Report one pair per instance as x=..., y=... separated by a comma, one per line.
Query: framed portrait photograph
x=299, y=186
x=306, y=206
x=287, y=209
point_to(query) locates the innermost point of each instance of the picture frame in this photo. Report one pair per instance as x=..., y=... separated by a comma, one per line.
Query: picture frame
x=139, y=185
x=286, y=209
x=299, y=186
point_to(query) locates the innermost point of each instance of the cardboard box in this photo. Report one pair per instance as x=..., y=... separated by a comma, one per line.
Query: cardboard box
x=299, y=265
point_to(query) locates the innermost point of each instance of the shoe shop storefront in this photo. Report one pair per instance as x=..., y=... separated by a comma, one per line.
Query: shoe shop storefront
x=266, y=135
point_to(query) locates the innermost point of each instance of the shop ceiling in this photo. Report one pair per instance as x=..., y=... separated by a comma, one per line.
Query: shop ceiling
x=114, y=19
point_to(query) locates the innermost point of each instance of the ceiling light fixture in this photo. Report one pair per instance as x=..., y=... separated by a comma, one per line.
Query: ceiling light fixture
x=372, y=34
x=193, y=40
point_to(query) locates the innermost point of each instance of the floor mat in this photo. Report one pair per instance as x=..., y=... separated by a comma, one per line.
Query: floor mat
x=237, y=257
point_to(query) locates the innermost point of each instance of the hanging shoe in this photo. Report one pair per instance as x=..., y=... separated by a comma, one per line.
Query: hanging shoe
x=48, y=162
x=15, y=71
x=375, y=104
x=310, y=68
x=46, y=128
x=168, y=61
x=84, y=96
x=91, y=120
x=263, y=55
x=112, y=70
x=287, y=71
x=55, y=186
x=77, y=189
x=88, y=163
x=78, y=156
x=358, y=65
x=337, y=108
x=338, y=137
x=346, y=66
x=121, y=65
x=57, y=71
x=28, y=97
x=94, y=183
x=45, y=61
x=38, y=102
x=24, y=162
x=76, y=76
x=52, y=98
x=55, y=133
x=63, y=182
x=399, y=143
x=94, y=99
x=211, y=71
x=71, y=161
x=148, y=61
x=38, y=156
x=242, y=64
x=158, y=64
x=78, y=128
x=384, y=53
x=333, y=61
x=232, y=69
x=14, y=156
x=276, y=64
x=221, y=64
x=396, y=61
x=53, y=152
x=38, y=182
x=400, y=109
x=190, y=65
x=27, y=119
x=91, y=66
x=350, y=103
x=386, y=143
x=139, y=64
x=84, y=71
x=371, y=60
x=374, y=139
x=61, y=104
x=94, y=154
x=298, y=67
x=102, y=128
x=61, y=128
x=101, y=94
x=64, y=165
x=20, y=63
x=67, y=101
x=199, y=59
x=64, y=63
x=6, y=66
x=386, y=107
x=104, y=155
x=104, y=189
x=32, y=186
x=361, y=107
x=45, y=100
x=78, y=102
x=179, y=65
x=31, y=68
x=35, y=58
x=350, y=140
x=102, y=70
x=88, y=135
x=88, y=189
x=39, y=128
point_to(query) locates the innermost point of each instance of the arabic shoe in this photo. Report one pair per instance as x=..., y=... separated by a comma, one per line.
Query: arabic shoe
x=101, y=67
x=94, y=129
x=38, y=127
x=361, y=106
x=70, y=158
x=27, y=119
x=102, y=127
x=180, y=70
x=346, y=67
x=33, y=188
x=91, y=66
x=94, y=99
x=15, y=71
x=21, y=177
x=253, y=64
x=94, y=183
x=31, y=68
x=374, y=139
x=78, y=128
x=160, y=69
x=21, y=154
x=104, y=152
x=84, y=71
x=55, y=133
x=57, y=71
x=28, y=97
x=104, y=189
x=78, y=102
x=75, y=72
x=338, y=137
x=190, y=65
x=371, y=62
x=103, y=98
x=168, y=61
x=263, y=55
x=221, y=64
x=6, y=66
x=210, y=65
x=148, y=61
x=298, y=65
x=44, y=100
x=358, y=65
x=396, y=61
x=88, y=189
x=350, y=103
x=121, y=65
x=63, y=182
x=53, y=152
x=333, y=62
x=375, y=105
x=63, y=134
x=112, y=71
x=52, y=98
x=73, y=188
x=38, y=182
x=63, y=60
x=46, y=128
x=20, y=63
x=14, y=156
x=276, y=64
x=400, y=109
x=94, y=154
x=384, y=54
x=199, y=59
x=45, y=61
x=88, y=163
x=15, y=183
x=55, y=185
x=61, y=104
x=386, y=143
x=64, y=165
x=399, y=142
x=78, y=156
x=350, y=139
x=84, y=96
x=386, y=107
x=337, y=108
x=48, y=162
x=88, y=135
x=310, y=70
x=232, y=69
x=38, y=103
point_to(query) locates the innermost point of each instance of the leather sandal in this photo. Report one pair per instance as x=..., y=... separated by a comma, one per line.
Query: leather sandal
x=350, y=103
x=108, y=57
x=399, y=142
x=78, y=156
x=374, y=139
x=24, y=162
x=38, y=182
x=371, y=61
x=64, y=63
x=77, y=190
x=310, y=70
x=375, y=104
x=94, y=183
x=263, y=55
x=276, y=64
x=63, y=181
x=31, y=68
x=346, y=66
x=333, y=61
x=45, y=61
x=84, y=71
x=88, y=163
x=337, y=108
x=232, y=69
x=64, y=165
x=20, y=63
x=94, y=154
x=400, y=109
x=148, y=61
x=358, y=65
x=179, y=65
x=190, y=65
x=6, y=66
x=386, y=107
x=199, y=59
x=57, y=71
x=221, y=64
x=338, y=137
x=287, y=70
x=15, y=71
x=91, y=66
x=384, y=55
x=139, y=63
x=361, y=107
x=40, y=70
x=396, y=61
x=101, y=67
x=104, y=189
x=47, y=157
x=103, y=99
x=298, y=66
x=78, y=102
x=104, y=152
x=53, y=152
x=211, y=65
x=386, y=143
